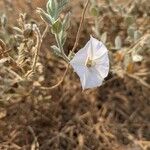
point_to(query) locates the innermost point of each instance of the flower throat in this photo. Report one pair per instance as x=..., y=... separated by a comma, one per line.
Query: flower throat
x=90, y=63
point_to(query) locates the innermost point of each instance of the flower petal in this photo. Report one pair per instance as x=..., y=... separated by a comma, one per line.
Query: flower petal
x=81, y=56
x=98, y=48
x=91, y=79
x=80, y=70
x=102, y=65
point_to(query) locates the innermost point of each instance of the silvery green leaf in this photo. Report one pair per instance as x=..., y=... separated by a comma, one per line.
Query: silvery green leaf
x=71, y=55
x=66, y=21
x=18, y=30
x=118, y=42
x=3, y=20
x=62, y=37
x=94, y=11
x=52, y=7
x=104, y=37
x=93, y=2
x=137, y=58
x=129, y=20
x=147, y=42
x=45, y=17
x=137, y=35
x=131, y=31
x=57, y=26
x=55, y=48
x=62, y=4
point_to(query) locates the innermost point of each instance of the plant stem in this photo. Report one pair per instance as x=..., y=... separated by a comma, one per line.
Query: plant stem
x=80, y=27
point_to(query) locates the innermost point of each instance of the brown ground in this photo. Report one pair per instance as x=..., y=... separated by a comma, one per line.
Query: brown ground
x=115, y=116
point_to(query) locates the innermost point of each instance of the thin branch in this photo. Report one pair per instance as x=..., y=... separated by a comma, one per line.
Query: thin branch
x=45, y=31
x=56, y=85
x=80, y=27
x=3, y=48
x=139, y=43
x=35, y=144
x=5, y=52
x=140, y=80
x=142, y=73
x=14, y=73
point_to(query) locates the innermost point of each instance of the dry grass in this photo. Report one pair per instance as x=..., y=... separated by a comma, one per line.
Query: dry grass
x=115, y=116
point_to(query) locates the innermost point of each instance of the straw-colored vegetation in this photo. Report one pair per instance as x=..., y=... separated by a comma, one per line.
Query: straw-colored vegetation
x=42, y=104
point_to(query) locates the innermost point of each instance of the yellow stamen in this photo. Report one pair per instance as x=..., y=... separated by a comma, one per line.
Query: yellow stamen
x=89, y=63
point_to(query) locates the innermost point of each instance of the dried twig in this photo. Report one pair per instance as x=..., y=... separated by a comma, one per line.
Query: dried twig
x=142, y=73
x=18, y=77
x=35, y=144
x=80, y=27
x=56, y=85
x=138, y=43
x=37, y=48
x=5, y=52
x=140, y=80
x=3, y=48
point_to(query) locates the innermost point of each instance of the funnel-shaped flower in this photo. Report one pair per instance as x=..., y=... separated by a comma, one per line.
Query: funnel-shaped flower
x=91, y=63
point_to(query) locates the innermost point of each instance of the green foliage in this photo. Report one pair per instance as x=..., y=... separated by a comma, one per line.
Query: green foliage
x=118, y=43
x=104, y=37
x=61, y=5
x=131, y=31
x=66, y=21
x=45, y=17
x=129, y=20
x=58, y=25
x=3, y=21
x=52, y=6
x=95, y=11
x=56, y=50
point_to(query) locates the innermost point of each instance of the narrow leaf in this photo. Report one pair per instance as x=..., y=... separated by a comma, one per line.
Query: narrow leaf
x=118, y=42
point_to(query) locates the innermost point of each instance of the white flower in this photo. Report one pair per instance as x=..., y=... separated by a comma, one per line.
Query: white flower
x=91, y=63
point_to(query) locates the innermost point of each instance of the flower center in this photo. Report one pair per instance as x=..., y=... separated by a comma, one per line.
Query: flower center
x=90, y=63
